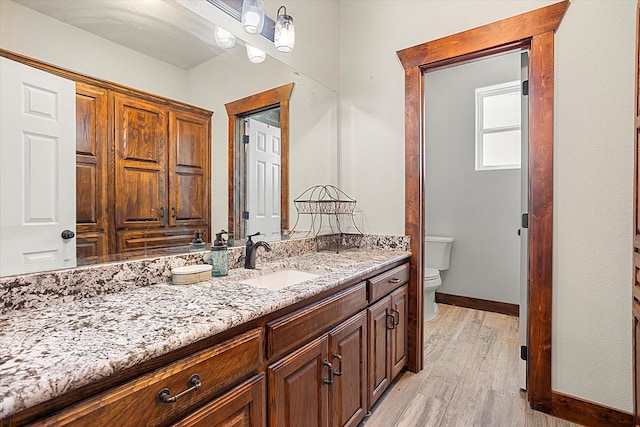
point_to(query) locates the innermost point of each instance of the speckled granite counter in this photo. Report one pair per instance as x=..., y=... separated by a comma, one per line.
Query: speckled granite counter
x=51, y=350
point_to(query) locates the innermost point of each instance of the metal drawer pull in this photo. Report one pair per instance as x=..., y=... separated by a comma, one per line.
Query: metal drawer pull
x=394, y=280
x=165, y=395
x=330, y=366
x=393, y=321
x=338, y=372
x=396, y=316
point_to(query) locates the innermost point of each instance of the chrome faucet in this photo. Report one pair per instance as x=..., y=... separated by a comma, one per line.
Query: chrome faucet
x=252, y=248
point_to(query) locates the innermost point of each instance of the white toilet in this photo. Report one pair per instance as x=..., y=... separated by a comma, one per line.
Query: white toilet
x=437, y=251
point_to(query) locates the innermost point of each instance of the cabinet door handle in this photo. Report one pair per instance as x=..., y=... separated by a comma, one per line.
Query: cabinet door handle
x=394, y=280
x=329, y=380
x=396, y=316
x=338, y=372
x=165, y=395
x=161, y=212
x=173, y=212
x=393, y=321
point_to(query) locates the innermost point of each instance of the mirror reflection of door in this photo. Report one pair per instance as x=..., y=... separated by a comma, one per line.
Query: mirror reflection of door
x=263, y=165
x=267, y=113
x=37, y=179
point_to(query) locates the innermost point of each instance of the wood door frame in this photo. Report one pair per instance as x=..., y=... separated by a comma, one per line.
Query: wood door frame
x=635, y=282
x=276, y=97
x=533, y=30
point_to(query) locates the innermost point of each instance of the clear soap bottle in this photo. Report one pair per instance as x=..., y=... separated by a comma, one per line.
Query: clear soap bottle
x=197, y=244
x=218, y=257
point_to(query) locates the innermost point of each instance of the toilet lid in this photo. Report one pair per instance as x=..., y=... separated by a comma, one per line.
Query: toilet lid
x=431, y=273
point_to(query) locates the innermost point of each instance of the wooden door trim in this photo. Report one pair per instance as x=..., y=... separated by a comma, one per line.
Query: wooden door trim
x=535, y=30
x=278, y=96
x=635, y=281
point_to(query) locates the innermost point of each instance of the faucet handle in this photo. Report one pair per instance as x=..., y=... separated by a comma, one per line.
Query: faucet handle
x=252, y=235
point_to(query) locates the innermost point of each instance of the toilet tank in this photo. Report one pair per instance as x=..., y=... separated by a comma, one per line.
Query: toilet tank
x=437, y=251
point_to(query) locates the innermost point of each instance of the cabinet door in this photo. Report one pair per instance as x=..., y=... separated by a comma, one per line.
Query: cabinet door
x=399, y=309
x=244, y=406
x=140, y=163
x=91, y=174
x=379, y=348
x=348, y=353
x=298, y=389
x=189, y=170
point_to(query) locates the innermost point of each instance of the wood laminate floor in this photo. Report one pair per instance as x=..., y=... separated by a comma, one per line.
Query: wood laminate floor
x=470, y=377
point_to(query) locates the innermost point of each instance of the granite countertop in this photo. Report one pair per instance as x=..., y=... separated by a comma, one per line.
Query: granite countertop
x=49, y=351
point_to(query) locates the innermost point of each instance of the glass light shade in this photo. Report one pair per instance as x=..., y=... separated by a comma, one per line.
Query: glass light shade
x=224, y=38
x=253, y=16
x=285, y=34
x=255, y=55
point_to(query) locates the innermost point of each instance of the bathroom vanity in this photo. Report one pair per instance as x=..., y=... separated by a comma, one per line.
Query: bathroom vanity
x=317, y=352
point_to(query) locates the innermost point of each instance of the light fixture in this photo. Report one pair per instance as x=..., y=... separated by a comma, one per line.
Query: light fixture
x=224, y=38
x=253, y=16
x=255, y=55
x=285, y=34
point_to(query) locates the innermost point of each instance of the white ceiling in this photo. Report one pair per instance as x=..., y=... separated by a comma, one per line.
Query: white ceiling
x=161, y=29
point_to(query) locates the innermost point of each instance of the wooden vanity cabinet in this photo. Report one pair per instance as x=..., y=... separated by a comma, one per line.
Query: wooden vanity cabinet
x=348, y=351
x=324, y=382
x=387, y=322
x=138, y=402
x=244, y=406
x=298, y=387
x=324, y=364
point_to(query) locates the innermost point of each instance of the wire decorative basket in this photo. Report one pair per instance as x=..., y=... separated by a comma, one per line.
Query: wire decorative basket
x=325, y=206
x=324, y=199
x=337, y=208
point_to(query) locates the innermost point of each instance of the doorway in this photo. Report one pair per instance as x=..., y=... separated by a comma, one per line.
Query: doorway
x=534, y=31
x=260, y=158
x=237, y=111
x=476, y=187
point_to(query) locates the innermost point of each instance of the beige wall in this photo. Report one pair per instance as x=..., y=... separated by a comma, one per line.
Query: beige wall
x=313, y=115
x=33, y=34
x=593, y=162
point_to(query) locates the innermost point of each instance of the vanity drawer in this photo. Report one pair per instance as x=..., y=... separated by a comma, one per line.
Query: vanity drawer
x=136, y=402
x=288, y=332
x=384, y=283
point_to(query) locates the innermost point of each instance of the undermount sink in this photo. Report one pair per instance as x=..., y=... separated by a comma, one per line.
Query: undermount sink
x=279, y=279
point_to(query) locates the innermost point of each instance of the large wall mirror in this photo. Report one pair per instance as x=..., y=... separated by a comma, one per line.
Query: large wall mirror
x=163, y=48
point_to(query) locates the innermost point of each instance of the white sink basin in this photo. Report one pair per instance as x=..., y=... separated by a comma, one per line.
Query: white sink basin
x=279, y=279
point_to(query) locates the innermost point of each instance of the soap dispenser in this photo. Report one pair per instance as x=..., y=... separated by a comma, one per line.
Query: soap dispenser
x=197, y=244
x=219, y=256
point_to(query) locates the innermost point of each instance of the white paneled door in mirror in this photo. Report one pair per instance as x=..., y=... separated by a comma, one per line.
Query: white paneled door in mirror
x=37, y=170
x=263, y=183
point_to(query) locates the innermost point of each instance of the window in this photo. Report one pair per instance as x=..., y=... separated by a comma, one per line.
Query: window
x=498, y=127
